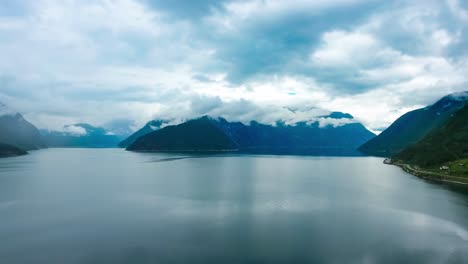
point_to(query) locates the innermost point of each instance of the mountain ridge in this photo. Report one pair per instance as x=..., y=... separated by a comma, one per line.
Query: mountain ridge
x=414, y=125
x=15, y=130
x=80, y=135
x=259, y=138
x=146, y=129
x=444, y=144
x=204, y=136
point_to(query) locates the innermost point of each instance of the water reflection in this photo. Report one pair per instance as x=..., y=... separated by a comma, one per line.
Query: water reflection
x=112, y=206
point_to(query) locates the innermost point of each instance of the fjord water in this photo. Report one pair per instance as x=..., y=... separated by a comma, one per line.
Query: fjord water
x=112, y=206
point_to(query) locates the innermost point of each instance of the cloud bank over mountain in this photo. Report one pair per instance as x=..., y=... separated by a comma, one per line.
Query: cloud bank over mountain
x=66, y=62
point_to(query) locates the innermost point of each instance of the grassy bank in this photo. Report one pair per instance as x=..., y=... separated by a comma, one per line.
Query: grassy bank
x=454, y=173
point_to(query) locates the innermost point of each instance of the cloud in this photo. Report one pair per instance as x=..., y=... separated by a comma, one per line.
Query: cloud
x=347, y=49
x=272, y=37
x=461, y=12
x=75, y=130
x=182, y=9
x=5, y=110
x=334, y=122
x=64, y=61
x=245, y=111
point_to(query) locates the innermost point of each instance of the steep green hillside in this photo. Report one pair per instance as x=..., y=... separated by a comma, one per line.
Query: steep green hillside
x=413, y=126
x=445, y=144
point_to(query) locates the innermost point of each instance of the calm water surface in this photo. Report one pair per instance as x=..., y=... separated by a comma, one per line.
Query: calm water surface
x=112, y=206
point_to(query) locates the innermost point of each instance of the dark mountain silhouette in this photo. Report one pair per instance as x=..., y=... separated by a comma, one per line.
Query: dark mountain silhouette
x=194, y=135
x=414, y=126
x=148, y=128
x=210, y=134
x=10, y=151
x=17, y=131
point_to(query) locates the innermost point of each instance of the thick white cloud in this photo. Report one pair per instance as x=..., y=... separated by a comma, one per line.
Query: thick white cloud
x=398, y=80
x=348, y=49
x=73, y=61
x=74, y=130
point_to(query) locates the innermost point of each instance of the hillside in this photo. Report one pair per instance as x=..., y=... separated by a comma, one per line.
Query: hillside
x=413, y=126
x=445, y=144
x=146, y=129
x=15, y=130
x=195, y=135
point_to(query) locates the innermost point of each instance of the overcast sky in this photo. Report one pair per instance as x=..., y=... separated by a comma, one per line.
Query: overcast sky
x=97, y=61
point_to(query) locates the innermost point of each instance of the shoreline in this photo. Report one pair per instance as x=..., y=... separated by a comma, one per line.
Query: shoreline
x=4, y=156
x=430, y=176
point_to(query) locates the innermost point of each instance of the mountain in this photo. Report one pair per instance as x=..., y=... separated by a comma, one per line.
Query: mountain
x=414, y=125
x=444, y=144
x=17, y=131
x=81, y=136
x=148, y=128
x=195, y=135
x=10, y=151
x=301, y=138
x=298, y=138
x=122, y=128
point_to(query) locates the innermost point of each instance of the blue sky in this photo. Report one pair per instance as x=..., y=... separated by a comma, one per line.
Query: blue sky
x=66, y=61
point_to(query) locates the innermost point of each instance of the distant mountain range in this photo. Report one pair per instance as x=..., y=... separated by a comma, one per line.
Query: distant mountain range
x=17, y=131
x=414, y=126
x=333, y=134
x=446, y=143
x=431, y=135
x=81, y=136
x=122, y=128
x=337, y=134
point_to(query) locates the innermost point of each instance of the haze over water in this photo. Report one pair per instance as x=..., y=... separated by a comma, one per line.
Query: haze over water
x=112, y=206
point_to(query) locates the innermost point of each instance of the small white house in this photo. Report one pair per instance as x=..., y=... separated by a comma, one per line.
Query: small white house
x=444, y=167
